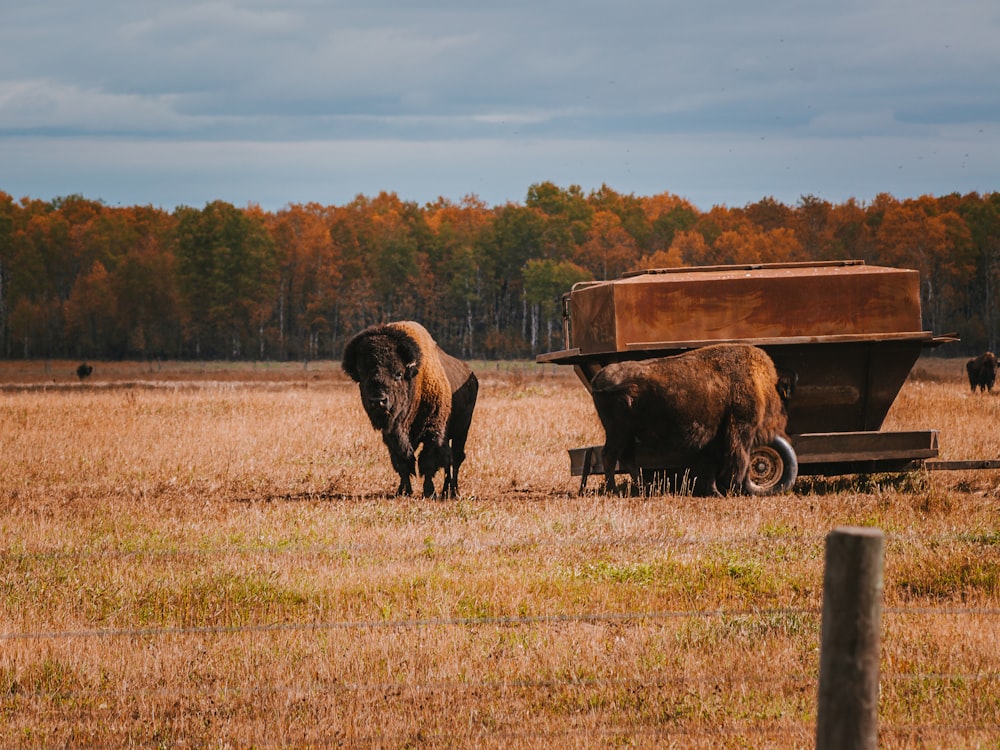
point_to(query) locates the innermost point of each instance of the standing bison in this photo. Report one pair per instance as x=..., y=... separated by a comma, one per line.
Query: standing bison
x=418, y=396
x=982, y=371
x=710, y=407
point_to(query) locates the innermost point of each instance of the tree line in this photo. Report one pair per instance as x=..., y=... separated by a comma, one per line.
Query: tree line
x=80, y=279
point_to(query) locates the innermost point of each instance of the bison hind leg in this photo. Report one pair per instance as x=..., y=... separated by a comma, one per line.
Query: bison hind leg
x=450, y=487
x=735, y=470
x=456, y=456
x=737, y=440
x=732, y=466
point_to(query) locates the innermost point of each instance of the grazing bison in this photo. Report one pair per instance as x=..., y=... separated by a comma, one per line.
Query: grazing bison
x=710, y=406
x=84, y=371
x=418, y=396
x=982, y=371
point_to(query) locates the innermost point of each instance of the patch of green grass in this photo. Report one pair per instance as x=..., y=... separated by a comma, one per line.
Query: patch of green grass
x=777, y=529
x=866, y=484
x=51, y=677
x=474, y=608
x=755, y=628
x=918, y=699
x=207, y=598
x=957, y=577
x=987, y=538
x=641, y=574
x=727, y=574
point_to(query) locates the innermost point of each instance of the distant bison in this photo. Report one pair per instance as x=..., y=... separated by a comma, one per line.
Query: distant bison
x=710, y=406
x=418, y=396
x=982, y=371
x=84, y=371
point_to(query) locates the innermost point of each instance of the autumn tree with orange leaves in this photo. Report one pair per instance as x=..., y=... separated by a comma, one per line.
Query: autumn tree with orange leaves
x=81, y=279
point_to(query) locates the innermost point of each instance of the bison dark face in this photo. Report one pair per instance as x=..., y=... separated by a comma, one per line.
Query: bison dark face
x=384, y=365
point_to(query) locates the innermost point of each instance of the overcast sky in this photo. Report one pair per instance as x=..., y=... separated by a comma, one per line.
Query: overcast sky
x=722, y=102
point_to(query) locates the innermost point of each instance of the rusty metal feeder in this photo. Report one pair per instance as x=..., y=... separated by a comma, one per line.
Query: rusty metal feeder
x=850, y=331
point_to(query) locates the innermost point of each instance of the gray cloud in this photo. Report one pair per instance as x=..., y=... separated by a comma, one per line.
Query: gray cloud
x=719, y=101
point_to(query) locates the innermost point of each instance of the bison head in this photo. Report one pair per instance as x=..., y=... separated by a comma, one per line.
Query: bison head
x=384, y=361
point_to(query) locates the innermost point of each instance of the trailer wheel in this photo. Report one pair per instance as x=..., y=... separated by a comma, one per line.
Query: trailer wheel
x=773, y=467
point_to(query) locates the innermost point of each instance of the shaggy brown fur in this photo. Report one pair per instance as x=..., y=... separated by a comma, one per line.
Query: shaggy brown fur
x=418, y=396
x=982, y=371
x=711, y=406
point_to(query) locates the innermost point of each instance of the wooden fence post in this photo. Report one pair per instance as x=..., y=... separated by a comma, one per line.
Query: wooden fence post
x=847, y=716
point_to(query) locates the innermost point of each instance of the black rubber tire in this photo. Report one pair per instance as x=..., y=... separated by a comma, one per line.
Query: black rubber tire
x=773, y=468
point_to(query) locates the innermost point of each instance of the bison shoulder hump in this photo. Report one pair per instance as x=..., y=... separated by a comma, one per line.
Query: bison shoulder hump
x=433, y=387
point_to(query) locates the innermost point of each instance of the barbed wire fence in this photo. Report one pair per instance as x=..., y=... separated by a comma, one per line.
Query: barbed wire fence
x=472, y=622
x=304, y=690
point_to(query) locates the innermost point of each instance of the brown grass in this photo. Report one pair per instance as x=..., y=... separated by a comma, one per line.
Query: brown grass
x=209, y=556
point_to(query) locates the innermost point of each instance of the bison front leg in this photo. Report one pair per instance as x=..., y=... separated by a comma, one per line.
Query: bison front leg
x=618, y=449
x=403, y=460
x=706, y=473
x=433, y=457
x=609, y=455
x=404, y=487
x=405, y=467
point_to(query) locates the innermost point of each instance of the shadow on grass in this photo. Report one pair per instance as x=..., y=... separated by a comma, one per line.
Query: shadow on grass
x=317, y=496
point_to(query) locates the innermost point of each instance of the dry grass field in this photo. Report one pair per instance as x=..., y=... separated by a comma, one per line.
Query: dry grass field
x=209, y=556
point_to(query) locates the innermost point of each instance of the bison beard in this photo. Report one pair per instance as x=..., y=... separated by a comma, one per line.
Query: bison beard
x=712, y=406
x=418, y=396
x=982, y=371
